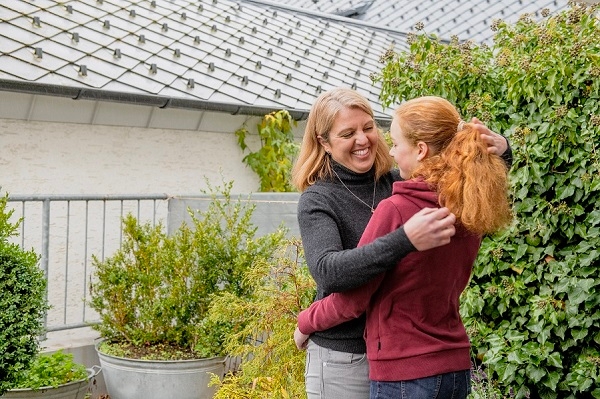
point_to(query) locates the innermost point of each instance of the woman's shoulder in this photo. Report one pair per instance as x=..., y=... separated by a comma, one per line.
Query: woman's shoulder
x=318, y=192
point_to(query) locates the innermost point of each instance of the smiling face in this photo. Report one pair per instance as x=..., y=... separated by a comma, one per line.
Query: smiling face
x=406, y=153
x=353, y=140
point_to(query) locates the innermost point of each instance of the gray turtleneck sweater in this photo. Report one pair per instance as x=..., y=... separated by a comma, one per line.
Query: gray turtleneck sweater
x=331, y=222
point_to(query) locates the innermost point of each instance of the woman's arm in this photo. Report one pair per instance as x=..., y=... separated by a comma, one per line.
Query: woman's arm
x=343, y=306
x=336, y=269
x=337, y=308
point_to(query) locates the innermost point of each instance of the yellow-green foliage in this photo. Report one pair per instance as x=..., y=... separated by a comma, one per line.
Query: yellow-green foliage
x=272, y=366
x=274, y=160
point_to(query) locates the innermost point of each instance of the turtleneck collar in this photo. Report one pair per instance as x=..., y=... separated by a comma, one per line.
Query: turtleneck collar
x=351, y=177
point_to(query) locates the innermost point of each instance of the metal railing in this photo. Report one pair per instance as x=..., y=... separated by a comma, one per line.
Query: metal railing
x=66, y=231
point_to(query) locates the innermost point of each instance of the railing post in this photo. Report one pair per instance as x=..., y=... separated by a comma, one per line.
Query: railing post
x=45, y=251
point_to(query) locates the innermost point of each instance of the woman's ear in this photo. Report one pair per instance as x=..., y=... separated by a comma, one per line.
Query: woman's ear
x=324, y=144
x=423, y=150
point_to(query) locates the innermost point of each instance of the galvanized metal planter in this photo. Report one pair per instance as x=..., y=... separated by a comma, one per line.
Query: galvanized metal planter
x=156, y=379
x=72, y=390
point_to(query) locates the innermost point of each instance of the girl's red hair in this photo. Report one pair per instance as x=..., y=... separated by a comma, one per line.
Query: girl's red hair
x=471, y=182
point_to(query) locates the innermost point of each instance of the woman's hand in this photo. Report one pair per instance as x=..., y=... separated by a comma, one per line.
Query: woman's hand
x=300, y=339
x=496, y=143
x=430, y=228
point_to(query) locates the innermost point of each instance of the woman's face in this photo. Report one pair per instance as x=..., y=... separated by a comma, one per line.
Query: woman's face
x=353, y=140
x=406, y=154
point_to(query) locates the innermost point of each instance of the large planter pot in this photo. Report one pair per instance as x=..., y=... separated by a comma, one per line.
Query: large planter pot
x=72, y=390
x=158, y=379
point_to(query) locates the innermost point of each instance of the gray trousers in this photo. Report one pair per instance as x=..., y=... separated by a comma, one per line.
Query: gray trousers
x=331, y=374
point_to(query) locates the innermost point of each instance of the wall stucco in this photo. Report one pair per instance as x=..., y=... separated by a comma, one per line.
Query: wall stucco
x=67, y=158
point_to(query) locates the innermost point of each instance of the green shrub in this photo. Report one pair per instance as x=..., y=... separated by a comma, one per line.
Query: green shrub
x=22, y=300
x=532, y=308
x=153, y=294
x=51, y=370
x=272, y=366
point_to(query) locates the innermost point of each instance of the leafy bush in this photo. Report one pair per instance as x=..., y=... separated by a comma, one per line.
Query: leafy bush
x=154, y=293
x=274, y=160
x=22, y=300
x=272, y=366
x=532, y=306
x=51, y=370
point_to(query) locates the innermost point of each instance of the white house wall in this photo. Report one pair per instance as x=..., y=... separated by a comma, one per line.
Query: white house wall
x=54, y=145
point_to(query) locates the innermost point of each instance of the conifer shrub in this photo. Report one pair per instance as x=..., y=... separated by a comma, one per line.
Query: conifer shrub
x=271, y=365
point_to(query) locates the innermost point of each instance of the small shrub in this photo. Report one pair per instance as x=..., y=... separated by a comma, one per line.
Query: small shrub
x=22, y=300
x=154, y=293
x=51, y=370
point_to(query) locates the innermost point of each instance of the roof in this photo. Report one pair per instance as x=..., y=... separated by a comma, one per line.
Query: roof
x=467, y=19
x=240, y=57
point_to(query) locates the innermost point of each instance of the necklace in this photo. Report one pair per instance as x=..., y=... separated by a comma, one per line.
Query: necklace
x=372, y=206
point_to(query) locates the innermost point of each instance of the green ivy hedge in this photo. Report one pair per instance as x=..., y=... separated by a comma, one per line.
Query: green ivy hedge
x=22, y=303
x=532, y=308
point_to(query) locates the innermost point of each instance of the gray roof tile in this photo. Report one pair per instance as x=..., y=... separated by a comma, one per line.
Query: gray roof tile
x=19, y=34
x=24, y=8
x=92, y=77
x=7, y=14
x=9, y=45
x=67, y=53
x=15, y=67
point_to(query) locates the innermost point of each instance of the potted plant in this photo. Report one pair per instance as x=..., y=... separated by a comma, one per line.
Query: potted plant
x=53, y=375
x=24, y=371
x=153, y=295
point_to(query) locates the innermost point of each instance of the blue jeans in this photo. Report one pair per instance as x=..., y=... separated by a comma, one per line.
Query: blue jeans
x=455, y=385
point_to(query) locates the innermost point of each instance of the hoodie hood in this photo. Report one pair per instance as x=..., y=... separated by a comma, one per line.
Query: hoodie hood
x=417, y=191
x=421, y=194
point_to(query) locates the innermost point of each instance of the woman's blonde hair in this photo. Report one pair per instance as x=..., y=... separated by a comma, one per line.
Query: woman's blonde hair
x=470, y=182
x=313, y=163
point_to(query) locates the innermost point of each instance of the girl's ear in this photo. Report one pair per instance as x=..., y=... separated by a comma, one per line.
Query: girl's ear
x=423, y=151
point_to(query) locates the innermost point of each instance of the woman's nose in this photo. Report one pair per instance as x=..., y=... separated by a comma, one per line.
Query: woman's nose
x=361, y=138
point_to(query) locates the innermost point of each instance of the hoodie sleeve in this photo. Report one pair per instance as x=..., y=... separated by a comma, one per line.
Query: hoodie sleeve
x=337, y=269
x=340, y=307
x=337, y=308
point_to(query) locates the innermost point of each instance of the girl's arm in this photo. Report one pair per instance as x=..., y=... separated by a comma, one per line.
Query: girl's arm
x=339, y=307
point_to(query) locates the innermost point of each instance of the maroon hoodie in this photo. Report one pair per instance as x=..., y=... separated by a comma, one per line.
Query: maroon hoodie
x=414, y=329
